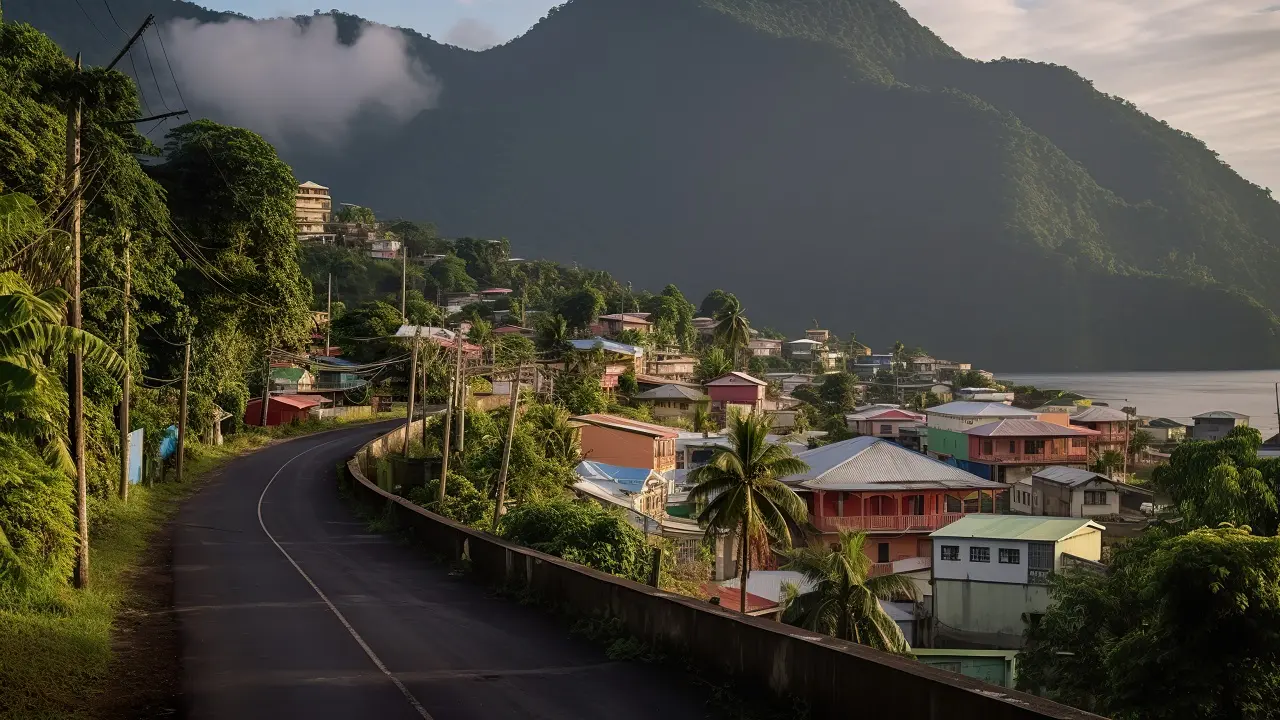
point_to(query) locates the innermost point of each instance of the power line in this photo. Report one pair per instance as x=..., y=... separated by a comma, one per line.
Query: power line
x=176, y=86
x=113, y=17
x=154, y=78
x=91, y=22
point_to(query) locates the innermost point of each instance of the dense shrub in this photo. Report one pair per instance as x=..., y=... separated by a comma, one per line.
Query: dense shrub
x=581, y=532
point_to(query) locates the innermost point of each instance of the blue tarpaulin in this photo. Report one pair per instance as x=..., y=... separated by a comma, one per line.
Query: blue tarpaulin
x=169, y=443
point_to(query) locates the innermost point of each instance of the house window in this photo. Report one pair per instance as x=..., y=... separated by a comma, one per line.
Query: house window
x=1010, y=556
x=1013, y=447
x=1079, y=442
x=987, y=448
x=1039, y=562
x=886, y=429
x=1033, y=447
x=1095, y=497
x=980, y=554
x=951, y=552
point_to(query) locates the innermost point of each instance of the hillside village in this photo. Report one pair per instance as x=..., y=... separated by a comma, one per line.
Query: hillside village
x=973, y=492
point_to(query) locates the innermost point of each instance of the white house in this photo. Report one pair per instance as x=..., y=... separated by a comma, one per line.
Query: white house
x=1059, y=491
x=991, y=573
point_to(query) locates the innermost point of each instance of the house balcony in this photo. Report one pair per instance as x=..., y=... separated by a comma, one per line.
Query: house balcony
x=887, y=523
x=1043, y=458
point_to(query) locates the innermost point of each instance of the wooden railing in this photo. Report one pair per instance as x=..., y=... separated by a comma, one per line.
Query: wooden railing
x=900, y=523
x=1047, y=457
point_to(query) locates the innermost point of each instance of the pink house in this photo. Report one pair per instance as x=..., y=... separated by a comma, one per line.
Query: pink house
x=736, y=390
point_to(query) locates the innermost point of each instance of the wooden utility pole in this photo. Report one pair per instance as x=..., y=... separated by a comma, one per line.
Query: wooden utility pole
x=182, y=406
x=328, y=314
x=461, y=402
x=413, y=385
x=514, y=406
x=145, y=24
x=266, y=385
x=448, y=424
x=75, y=364
x=128, y=379
x=404, y=280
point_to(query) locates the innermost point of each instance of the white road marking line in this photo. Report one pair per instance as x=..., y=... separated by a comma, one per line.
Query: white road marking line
x=338, y=613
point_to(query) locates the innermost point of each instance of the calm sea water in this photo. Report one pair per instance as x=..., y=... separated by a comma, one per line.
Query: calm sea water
x=1177, y=395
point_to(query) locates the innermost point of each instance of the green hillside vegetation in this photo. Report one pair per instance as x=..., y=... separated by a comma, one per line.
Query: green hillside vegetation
x=1004, y=212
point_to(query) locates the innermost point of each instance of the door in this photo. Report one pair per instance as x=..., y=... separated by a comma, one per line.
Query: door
x=882, y=552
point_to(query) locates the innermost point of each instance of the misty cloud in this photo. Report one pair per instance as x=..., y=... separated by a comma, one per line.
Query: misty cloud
x=472, y=34
x=289, y=81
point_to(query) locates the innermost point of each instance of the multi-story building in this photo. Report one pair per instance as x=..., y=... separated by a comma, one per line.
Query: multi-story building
x=1112, y=426
x=897, y=495
x=670, y=365
x=735, y=390
x=385, y=249
x=313, y=210
x=629, y=443
x=764, y=347
x=948, y=423
x=1013, y=449
x=991, y=574
x=671, y=401
x=1215, y=425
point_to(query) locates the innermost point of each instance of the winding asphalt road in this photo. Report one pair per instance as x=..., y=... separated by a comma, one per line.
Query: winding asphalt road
x=290, y=608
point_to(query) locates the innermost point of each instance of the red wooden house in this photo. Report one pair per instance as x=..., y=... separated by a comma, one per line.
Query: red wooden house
x=281, y=410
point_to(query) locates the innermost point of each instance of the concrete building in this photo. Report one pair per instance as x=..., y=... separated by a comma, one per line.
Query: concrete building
x=802, y=349
x=671, y=365
x=1165, y=430
x=629, y=443
x=385, y=249
x=612, y=325
x=1215, y=425
x=671, y=401
x=313, y=210
x=895, y=494
x=991, y=574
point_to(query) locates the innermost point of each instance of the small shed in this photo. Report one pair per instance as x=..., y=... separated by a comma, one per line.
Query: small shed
x=281, y=409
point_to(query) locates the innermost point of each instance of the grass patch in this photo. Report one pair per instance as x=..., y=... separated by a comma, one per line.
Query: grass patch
x=56, y=643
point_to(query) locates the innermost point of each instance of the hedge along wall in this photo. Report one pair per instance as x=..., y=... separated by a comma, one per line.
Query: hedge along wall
x=833, y=676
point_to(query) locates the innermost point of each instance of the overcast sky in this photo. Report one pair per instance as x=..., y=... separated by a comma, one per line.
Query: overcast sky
x=1210, y=67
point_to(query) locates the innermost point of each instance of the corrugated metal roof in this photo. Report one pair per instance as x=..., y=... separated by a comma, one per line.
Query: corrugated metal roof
x=1220, y=415
x=630, y=479
x=869, y=463
x=1068, y=476
x=968, y=408
x=628, y=317
x=621, y=423
x=1028, y=428
x=671, y=392
x=1098, y=413
x=1015, y=527
x=1166, y=423
x=297, y=401
x=736, y=374
x=610, y=345
x=887, y=414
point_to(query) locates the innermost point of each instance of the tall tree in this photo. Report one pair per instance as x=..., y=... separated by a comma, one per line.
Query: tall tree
x=553, y=334
x=1223, y=481
x=582, y=307
x=740, y=491
x=713, y=363
x=842, y=599
x=714, y=302
x=450, y=274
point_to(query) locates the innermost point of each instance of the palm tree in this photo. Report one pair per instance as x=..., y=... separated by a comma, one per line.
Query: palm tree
x=739, y=489
x=553, y=334
x=32, y=401
x=712, y=365
x=557, y=439
x=733, y=331
x=1107, y=461
x=843, y=600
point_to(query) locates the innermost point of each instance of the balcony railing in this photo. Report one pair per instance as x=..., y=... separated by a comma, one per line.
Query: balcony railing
x=890, y=523
x=1046, y=457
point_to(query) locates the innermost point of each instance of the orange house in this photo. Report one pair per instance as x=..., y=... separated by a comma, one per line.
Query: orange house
x=622, y=441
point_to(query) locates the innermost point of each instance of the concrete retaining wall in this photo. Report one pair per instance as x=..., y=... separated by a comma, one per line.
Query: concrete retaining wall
x=836, y=678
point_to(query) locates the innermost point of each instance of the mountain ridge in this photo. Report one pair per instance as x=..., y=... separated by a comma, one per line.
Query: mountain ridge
x=749, y=143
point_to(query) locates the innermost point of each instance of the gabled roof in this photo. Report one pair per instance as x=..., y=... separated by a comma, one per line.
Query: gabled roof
x=1015, y=527
x=1018, y=427
x=870, y=463
x=302, y=402
x=1098, y=413
x=887, y=414
x=671, y=392
x=626, y=318
x=1068, y=476
x=609, y=345
x=626, y=424
x=969, y=408
x=729, y=379
x=1166, y=423
x=803, y=341
x=1220, y=415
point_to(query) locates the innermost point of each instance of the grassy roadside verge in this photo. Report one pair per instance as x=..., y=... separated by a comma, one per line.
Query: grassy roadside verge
x=56, y=651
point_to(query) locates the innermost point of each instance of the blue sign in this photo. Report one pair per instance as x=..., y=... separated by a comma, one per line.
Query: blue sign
x=135, y=457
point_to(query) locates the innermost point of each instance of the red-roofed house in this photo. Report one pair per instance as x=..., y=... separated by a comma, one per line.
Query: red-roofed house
x=731, y=598
x=622, y=441
x=281, y=410
x=883, y=422
x=735, y=390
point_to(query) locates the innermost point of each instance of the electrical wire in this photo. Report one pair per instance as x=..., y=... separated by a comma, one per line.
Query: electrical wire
x=113, y=17
x=176, y=86
x=91, y=22
x=154, y=78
